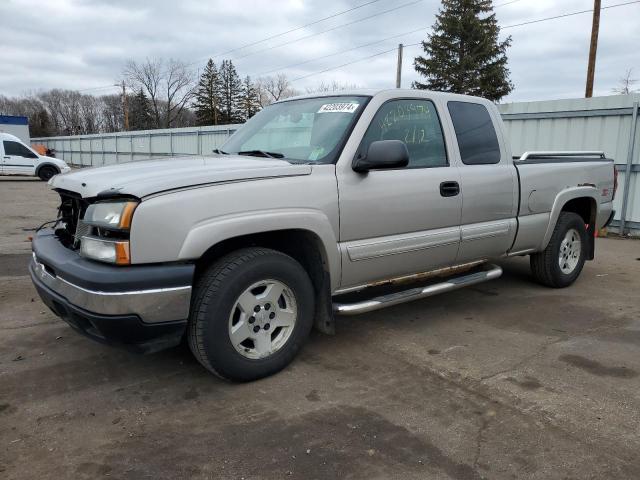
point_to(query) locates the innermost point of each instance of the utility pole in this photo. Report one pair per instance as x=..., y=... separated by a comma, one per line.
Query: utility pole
x=125, y=107
x=591, y=69
x=399, y=69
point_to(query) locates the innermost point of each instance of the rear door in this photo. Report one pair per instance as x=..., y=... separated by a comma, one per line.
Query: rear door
x=488, y=181
x=18, y=159
x=399, y=221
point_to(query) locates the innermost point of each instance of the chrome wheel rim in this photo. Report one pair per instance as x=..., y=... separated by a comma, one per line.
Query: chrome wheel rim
x=262, y=319
x=570, y=249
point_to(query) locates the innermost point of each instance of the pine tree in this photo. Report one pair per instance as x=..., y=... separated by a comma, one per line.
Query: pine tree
x=208, y=97
x=463, y=53
x=140, y=117
x=231, y=93
x=249, y=101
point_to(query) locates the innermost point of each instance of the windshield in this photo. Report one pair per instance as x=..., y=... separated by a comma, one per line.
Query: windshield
x=309, y=130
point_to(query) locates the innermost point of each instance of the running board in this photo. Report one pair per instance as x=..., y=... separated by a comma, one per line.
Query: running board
x=490, y=272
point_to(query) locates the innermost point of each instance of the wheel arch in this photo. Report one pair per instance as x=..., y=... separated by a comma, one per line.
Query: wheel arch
x=582, y=201
x=46, y=164
x=306, y=246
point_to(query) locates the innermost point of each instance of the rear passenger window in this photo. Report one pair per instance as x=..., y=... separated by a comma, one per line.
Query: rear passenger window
x=416, y=123
x=477, y=138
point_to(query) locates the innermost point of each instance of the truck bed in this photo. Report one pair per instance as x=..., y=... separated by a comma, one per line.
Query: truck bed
x=549, y=179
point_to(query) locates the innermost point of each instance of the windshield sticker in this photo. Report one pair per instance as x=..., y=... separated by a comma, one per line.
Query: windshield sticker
x=338, y=108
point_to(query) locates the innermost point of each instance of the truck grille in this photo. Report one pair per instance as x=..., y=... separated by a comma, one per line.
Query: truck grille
x=82, y=229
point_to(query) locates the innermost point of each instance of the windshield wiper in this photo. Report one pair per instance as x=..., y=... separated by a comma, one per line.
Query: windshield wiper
x=217, y=150
x=261, y=153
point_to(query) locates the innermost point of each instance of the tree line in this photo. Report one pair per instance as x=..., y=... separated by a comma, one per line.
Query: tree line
x=160, y=94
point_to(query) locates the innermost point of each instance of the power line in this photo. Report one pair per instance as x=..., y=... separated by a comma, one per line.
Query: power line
x=418, y=43
x=395, y=36
x=568, y=15
x=505, y=4
x=104, y=87
x=330, y=29
x=339, y=52
x=362, y=46
x=355, y=61
x=291, y=30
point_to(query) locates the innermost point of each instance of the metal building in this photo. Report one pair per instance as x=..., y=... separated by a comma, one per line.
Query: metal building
x=15, y=125
x=607, y=123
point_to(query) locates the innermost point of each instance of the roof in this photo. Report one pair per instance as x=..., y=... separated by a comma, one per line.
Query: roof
x=13, y=120
x=369, y=92
x=8, y=136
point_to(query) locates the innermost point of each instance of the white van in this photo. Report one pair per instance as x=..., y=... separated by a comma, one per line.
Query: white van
x=19, y=159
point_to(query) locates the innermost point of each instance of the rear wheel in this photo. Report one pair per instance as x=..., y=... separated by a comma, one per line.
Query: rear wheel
x=252, y=311
x=560, y=264
x=46, y=172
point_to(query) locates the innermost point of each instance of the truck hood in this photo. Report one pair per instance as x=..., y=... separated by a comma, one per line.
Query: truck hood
x=147, y=177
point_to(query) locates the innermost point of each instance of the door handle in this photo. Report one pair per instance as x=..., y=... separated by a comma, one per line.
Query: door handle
x=7, y=158
x=449, y=189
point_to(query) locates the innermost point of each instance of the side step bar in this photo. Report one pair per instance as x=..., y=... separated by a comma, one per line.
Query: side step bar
x=490, y=272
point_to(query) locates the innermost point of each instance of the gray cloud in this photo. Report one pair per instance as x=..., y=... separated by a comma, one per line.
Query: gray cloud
x=83, y=44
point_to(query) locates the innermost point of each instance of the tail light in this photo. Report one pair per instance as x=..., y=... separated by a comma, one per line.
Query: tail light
x=615, y=182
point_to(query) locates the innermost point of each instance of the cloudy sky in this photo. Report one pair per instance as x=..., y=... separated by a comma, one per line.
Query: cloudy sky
x=83, y=44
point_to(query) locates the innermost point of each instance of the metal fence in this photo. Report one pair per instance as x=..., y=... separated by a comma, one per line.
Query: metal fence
x=109, y=148
x=607, y=123
x=601, y=123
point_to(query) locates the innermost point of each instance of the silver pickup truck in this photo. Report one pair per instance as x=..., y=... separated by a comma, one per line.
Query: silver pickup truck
x=319, y=205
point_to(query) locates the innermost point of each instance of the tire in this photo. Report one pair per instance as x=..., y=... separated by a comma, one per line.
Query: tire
x=222, y=309
x=46, y=172
x=560, y=264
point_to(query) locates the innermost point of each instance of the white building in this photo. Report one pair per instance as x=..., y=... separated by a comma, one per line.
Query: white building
x=18, y=126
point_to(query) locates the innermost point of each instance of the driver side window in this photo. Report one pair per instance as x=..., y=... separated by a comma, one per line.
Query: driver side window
x=17, y=149
x=414, y=122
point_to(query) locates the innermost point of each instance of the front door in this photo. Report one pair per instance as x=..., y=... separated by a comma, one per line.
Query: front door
x=400, y=221
x=18, y=159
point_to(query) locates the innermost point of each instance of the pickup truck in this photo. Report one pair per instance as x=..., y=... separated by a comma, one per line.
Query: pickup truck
x=19, y=159
x=319, y=205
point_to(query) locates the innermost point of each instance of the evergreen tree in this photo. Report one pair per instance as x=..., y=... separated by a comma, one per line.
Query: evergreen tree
x=249, y=101
x=208, y=96
x=140, y=116
x=463, y=53
x=231, y=93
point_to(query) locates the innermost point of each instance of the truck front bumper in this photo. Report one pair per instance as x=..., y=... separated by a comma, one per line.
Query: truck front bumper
x=144, y=308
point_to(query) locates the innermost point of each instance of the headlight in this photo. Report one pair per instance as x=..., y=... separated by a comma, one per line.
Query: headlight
x=110, y=251
x=111, y=215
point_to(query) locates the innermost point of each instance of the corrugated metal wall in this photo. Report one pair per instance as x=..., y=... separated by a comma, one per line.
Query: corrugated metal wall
x=600, y=123
x=108, y=148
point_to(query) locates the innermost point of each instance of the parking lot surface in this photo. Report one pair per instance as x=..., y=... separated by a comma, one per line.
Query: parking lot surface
x=504, y=380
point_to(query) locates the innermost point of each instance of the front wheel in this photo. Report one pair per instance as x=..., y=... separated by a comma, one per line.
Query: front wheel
x=560, y=264
x=46, y=172
x=252, y=311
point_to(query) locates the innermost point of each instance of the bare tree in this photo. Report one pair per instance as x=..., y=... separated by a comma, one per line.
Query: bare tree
x=64, y=106
x=90, y=114
x=169, y=87
x=272, y=89
x=625, y=84
x=334, y=86
x=112, y=118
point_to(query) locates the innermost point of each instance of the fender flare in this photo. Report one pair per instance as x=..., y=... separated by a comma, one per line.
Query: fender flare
x=211, y=232
x=561, y=200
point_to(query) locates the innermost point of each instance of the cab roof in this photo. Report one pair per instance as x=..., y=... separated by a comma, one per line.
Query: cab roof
x=8, y=136
x=400, y=92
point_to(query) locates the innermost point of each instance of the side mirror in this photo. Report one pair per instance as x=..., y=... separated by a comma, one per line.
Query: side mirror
x=383, y=154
